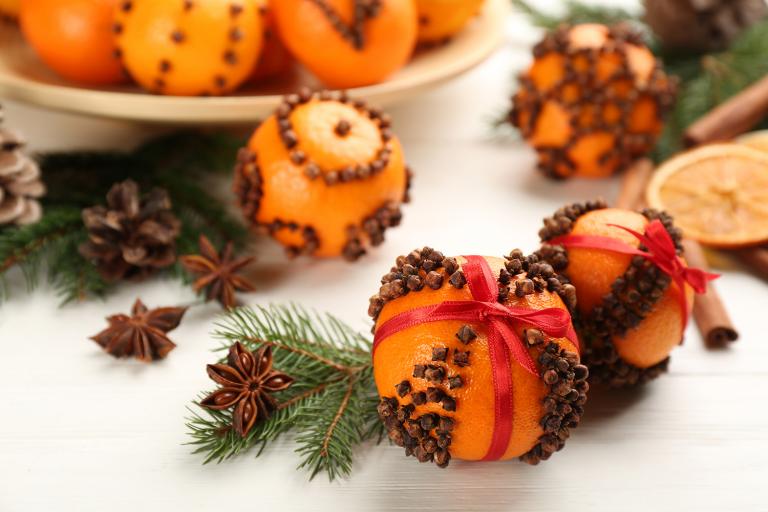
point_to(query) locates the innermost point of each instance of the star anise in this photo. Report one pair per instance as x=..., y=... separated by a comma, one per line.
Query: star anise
x=246, y=383
x=218, y=272
x=141, y=335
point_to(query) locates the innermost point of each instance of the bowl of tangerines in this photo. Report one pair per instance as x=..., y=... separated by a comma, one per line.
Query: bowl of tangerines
x=218, y=61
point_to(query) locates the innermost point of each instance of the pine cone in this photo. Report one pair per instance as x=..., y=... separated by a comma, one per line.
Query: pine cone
x=132, y=236
x=20, y=184
x=702, y=25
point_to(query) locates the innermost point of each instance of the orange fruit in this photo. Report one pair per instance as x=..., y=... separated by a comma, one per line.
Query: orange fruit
x=189, y=47
x=630, y=316
x=423, y=374
x=755, y=140
x=343, y=52
x=592, y=102
x=10, y=8
x=439, y=20
x=74, y=38
x=324, y=176
x=275, y=58
x=718, y=194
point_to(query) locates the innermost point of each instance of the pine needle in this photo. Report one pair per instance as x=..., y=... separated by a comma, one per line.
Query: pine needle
x=331, y=407
x=182, y=163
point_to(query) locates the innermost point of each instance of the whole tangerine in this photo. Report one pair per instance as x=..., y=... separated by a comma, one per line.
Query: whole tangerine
x=592, y=102
x=630, y=318
x=324, y=175
x=74, y=38
x=439, y=20
x=349, y=43
x=275, y=59
x=436, y=379
x=10, y=8
x=189, y=47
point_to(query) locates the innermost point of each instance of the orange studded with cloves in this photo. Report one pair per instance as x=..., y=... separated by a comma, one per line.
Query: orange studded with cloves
x=440, y=20
x=189, y=47
x=592, y=102
x=324, y=175
x=630, y=317
x=348, y=43
x=436, y=379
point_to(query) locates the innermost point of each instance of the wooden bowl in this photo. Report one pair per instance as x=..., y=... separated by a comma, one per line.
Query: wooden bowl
x=25, y=78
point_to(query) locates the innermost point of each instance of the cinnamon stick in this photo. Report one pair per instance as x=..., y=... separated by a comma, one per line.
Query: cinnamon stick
x=634, y=182
x=710, y=315
x=735, y=116
x=756, y=260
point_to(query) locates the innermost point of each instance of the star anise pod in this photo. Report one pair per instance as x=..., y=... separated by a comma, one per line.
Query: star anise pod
x=247, y=381
x=218, y=272
x=141, y=335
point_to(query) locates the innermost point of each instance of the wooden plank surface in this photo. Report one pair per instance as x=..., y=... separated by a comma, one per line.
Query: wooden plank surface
x=82, y=432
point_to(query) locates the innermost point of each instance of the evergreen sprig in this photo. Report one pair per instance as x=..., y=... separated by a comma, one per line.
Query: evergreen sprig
x=573, y=12
x=706, y=80
x=331, y=407
x=50, y=244
x=181, y=163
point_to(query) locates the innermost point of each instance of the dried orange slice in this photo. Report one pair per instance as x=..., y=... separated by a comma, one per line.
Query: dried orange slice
x=757, y=140
x=718, y=194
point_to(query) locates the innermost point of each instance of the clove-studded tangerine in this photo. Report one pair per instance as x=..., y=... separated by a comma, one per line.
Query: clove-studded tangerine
x=274, y=59
x=592, y=102
x=633, y=307
x=10, y=8
x=349, y=43
x=74, y=38
x=324, y=175
x=439, y=20
x=189, y=47
x=475, y=357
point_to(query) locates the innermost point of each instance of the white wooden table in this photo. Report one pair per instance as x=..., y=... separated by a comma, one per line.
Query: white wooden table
x=80, y=431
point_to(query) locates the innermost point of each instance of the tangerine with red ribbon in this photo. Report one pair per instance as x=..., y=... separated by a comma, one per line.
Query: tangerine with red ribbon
x=634, y=288
x=476, y=358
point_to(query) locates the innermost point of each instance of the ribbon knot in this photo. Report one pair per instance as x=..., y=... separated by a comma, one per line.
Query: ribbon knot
x=661, y=251
x=504, y=344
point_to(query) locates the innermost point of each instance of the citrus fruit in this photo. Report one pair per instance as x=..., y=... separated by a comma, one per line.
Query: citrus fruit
x=718, y=194
x=630, y=311
x=436, y=378
x=189, y=48
x=10, y=8
x=592, y=102
x=324, y=175
x=439, y=20
x=74, y=38
x=756, y=140
x=348, y=43
x=274, y=59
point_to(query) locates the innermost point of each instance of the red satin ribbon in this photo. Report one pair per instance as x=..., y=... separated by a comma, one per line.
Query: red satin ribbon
x=503, y=341
x=661, y=252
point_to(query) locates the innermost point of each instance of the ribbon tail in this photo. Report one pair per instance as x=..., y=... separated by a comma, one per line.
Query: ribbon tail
x=698, y=279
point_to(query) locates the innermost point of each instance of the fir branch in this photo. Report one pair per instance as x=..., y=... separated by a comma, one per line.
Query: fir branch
x=574, y=12
x=331, y=405
x=191, y=152
x=181, y=163
x=50, y=246
x=720, y=76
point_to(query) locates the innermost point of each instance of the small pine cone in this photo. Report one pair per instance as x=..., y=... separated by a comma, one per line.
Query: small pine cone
x=132, y=236
x=20, y=183
x=702, y=25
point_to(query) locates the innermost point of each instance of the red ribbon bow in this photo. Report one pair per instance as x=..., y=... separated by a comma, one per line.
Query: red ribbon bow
x=503, y=340
x=661, y=252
